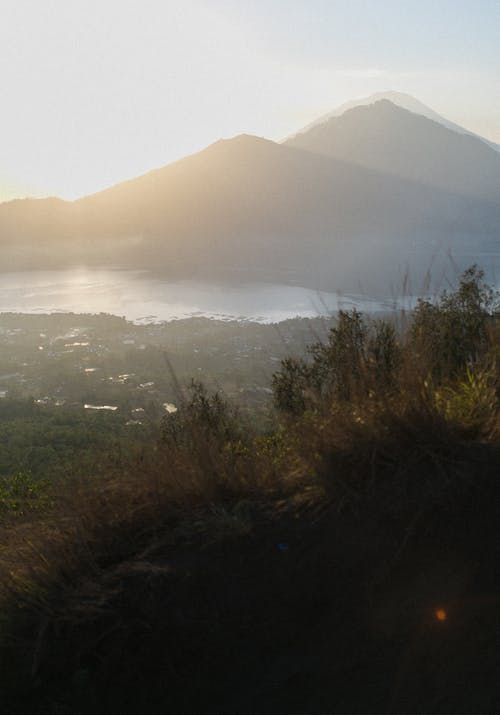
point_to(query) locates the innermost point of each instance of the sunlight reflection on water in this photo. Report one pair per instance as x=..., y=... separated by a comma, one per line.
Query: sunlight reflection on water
x=142, y=298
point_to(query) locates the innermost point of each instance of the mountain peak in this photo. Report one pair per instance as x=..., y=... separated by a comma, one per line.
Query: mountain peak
x=400, y=99
x=386, y=137
x=243, y=140
x=241, y=147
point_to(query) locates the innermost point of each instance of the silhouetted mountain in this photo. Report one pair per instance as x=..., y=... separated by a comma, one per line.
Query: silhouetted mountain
x=390, y=139
x=247, y=209
x=400, y=99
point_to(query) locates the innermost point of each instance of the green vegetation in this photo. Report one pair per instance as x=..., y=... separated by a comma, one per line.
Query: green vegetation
x=20, y=494
x=344, y=560
x=52, y=443
x=449, y=340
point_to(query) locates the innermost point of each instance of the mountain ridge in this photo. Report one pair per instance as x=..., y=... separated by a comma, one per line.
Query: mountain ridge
x=253, y=208
x=394, y=140
x=401, y=99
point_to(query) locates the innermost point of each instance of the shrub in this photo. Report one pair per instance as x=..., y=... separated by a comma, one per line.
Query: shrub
x=384, y=353
x=338, y=366
x=200, y=416
x=20, y=493
x=448, y=335
x=289, y=386
x=361, y=359
x=472, y=402
x=356, y=358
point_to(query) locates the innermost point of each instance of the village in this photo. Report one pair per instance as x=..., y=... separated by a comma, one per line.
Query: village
x=106, y=363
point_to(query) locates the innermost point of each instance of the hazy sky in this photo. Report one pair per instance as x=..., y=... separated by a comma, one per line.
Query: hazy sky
x=96, y=91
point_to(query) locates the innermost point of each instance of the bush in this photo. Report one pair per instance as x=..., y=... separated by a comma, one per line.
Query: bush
x=289, y=386
x=448, y=335
x=384, y=354
x=361, y=359
x=338, y=366
x=21, y=493
x=471, y=402
x=356, y=359
x=200, y=416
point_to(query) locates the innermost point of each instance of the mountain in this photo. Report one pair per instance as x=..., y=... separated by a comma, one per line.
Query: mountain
x=387, y=138
x=249, y=209
x=400, y=99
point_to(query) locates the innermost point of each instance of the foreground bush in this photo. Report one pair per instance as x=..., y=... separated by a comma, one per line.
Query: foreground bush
x=447, y=339
x=454, y=332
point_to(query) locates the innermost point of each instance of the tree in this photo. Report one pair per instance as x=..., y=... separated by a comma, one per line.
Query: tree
x=453, y=332
x=202, y=416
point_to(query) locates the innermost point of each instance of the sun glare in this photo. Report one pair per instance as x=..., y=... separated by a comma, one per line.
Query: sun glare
x=96, y=92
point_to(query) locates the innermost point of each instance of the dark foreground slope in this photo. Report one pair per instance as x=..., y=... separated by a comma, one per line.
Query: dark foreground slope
x=380, y=601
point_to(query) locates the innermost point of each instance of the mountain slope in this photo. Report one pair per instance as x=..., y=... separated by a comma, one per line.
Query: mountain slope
x=400, y=99
x=390, y=139
x=248, y=208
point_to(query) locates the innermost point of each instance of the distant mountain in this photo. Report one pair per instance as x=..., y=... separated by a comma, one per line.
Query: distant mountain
x=387, y=138
x=249, y=209
x=400, y=99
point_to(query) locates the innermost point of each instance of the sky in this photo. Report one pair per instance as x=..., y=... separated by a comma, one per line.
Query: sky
x=97, y=91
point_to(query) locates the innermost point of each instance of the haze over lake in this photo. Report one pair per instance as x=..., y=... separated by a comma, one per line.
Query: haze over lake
x=140, y=297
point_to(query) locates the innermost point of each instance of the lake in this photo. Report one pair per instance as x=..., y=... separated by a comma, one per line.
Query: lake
x=140, y=297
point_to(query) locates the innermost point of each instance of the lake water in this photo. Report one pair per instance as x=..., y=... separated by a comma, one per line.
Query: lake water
x=141, y=298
